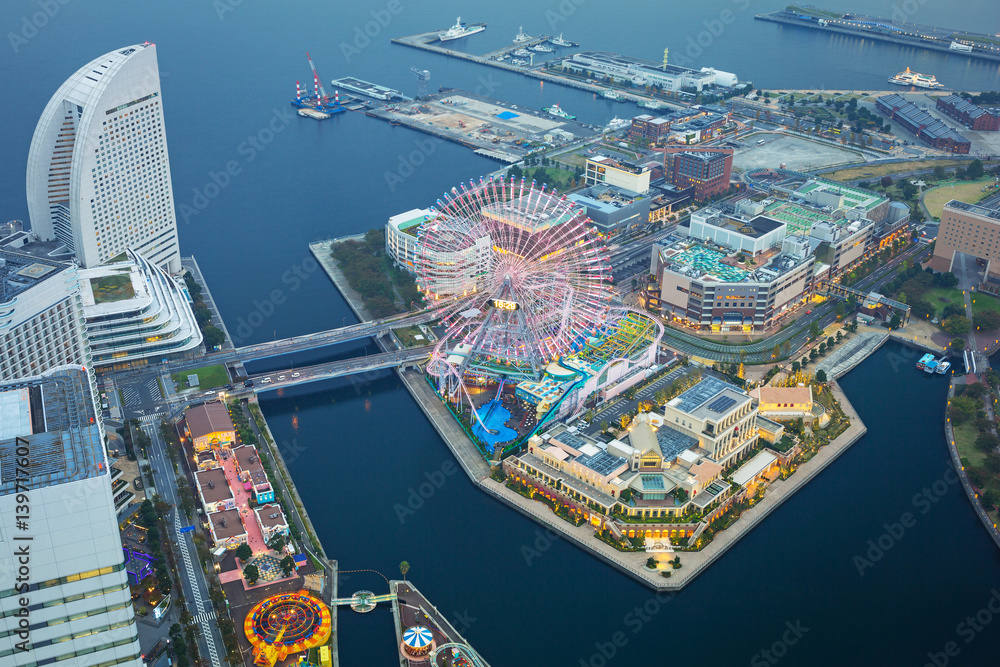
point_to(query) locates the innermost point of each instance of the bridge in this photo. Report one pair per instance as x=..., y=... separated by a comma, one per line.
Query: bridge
x=313, y=341
x=871, y=298
x=332, y=369
x=363, y=601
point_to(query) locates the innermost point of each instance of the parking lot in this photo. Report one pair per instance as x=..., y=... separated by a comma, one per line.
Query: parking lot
x=613, y=412
x=795, y=153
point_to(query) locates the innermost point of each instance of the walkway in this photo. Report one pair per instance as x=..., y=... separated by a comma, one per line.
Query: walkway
x=852, y=352
x=254, y=537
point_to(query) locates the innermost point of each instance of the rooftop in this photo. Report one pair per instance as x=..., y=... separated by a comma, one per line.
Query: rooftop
x=271, y=516
x=755, y=227
x=618, y=60
x=712, y=393
x=782, y=394
x=853, y=197
x=226, y=524
x=20, y=272
x=213, y=484
x=247, y=457
x=753, y=467
x=55, y=412
x=930, y=127
x=698, y=261
x=962, y=105
x=208, y=418
x=993, y=213
x=622, y=165
x=410, y=221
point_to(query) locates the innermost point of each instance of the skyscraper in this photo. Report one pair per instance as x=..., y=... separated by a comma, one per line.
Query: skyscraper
x=98, y=170
x=65, y=597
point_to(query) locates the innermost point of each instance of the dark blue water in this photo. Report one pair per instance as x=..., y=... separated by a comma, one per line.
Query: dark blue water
x=357, y=448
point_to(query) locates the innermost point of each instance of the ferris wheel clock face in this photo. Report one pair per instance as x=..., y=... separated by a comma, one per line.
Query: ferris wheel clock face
x=514, y=272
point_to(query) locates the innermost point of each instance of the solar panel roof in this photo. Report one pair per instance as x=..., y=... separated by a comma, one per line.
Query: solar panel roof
x=722, y=404
x=602, y=463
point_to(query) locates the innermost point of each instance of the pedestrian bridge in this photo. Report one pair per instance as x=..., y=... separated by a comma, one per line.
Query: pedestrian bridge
x=313, y=341
x=363, y=601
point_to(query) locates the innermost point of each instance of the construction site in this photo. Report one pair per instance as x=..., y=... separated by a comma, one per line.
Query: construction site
x=490, y=127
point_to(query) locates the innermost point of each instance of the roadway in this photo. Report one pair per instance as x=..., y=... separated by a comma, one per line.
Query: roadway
x=332, y=369
x=191, y=576
x=313, y=341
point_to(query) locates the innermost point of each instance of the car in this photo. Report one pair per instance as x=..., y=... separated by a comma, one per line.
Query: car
x=281, y=377
x=265, y=381
x=809, y=312
x=295, y=375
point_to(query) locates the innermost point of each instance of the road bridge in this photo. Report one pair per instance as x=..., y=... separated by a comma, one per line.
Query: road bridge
x=373, y=362
x=312, y=341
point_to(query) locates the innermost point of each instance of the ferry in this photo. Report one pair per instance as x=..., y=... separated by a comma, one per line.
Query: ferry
x=559, y=41
x=555, y=110
x=618, y=124
x=520, y=36
x=612, y=95
x=652, y=104
x=961, y=48
x=541, y=48
x=924, y=361
x=908, y=78
x=942, y=366
x=459, y=30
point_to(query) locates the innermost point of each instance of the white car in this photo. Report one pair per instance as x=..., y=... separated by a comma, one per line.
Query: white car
x=295, y=375
x=281, y=377
x=266, y=381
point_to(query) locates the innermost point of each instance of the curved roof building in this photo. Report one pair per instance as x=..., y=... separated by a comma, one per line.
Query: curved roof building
x=98, y=177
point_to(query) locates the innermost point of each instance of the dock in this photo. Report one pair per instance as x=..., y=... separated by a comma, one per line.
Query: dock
x=411, y=608
x=490, y=127
x=425, y=42
x=903, y=33
x=368, y=89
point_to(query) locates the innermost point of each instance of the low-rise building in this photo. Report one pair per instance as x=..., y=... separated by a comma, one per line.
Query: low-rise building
x=612, y=210
x=251, y=472
x=707, y=169
x=209, y=425
x=602, y=170
x=720, y=416
x=214, y=491
x=227, y=528
x=922, y=124
x=968, y=114
x=272, y=521
x=601, y=65
x=754, y=235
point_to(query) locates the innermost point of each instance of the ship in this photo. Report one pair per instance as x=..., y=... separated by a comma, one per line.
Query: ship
x=908, y=78
x=958, y=46
x=460, y=30
x=520, y=36
x=559, y=41
x=652, y=104
x=555, y=110
x=523, y=53
x=612, y=95
x=541, y=48
x=617, y=124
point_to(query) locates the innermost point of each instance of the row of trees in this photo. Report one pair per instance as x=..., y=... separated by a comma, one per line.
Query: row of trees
x=369, y=272
x=212, y=334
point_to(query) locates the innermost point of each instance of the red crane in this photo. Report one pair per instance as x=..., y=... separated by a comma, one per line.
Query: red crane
x=317, y=82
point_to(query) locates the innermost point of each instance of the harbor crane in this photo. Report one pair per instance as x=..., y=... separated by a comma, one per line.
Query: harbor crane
x=423, y=76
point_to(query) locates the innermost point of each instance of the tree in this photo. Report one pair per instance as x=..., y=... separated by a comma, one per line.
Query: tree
x=287, y=565
x=894, y=322
x=958, y=344
x=821, y=376
x=244, y=552
x=885, y=181
x=404, y=567
x=796, y=366
x=839, y=309
x=251, y=574
x=277, y=542
x=975, y=170
x=957, y=326
x=814, y=330
x=213, y=336
x=939, y=173
x=987, y=442
x=988, y=320
x=776, y=352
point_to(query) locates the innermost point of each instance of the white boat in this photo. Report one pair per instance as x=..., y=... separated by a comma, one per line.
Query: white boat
x=523, y=53
x=962, y=48
x=611, y=95
x=618, y=124
x=541, y=48
x=518, y=61
x=559, y=41
x=908, y=78
x=520, y=36
x=651, y=104
x=557, y=111
x=459, y=30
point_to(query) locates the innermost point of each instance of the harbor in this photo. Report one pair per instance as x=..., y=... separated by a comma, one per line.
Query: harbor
x=491, y=127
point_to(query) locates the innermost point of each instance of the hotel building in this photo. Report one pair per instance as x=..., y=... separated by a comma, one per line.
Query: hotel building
x=98, y=177
x=970, y=229
x=603, y=170
x=76, y=598
x=707, y=169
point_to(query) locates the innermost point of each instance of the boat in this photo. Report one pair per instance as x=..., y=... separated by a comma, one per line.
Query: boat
x=518, y=61
x=459, y=30
x=926, y=361
x=941, y=366
x=961, y=48
x=555, y=110
x=915, y=79
x=559, y=41
x=541, y=48
x=612, y=95
x=522, y=53
x=618, y=124
x=651, y=104
x=520, y=36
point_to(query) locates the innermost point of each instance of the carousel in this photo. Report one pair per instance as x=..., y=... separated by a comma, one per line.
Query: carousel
x=418, y=642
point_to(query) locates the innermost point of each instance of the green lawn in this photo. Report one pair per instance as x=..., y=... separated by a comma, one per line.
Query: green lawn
x=983, y=302
x=112, y=288
x=939, y=297
x=965, y=443
x=971, y=192
x=408, y=336
x=209, y=377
